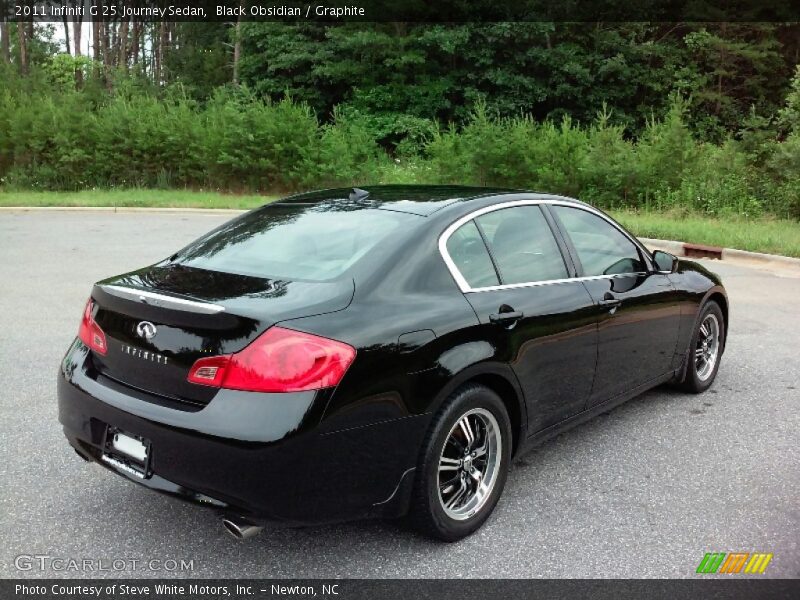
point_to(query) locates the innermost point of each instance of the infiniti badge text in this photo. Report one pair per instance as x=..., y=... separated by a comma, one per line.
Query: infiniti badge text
x=144, y=354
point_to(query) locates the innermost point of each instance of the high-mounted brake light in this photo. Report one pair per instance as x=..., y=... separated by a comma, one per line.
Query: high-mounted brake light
x=90, y=332
x=279, y=360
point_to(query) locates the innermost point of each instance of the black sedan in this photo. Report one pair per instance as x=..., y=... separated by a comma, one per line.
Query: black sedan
x=378, y=352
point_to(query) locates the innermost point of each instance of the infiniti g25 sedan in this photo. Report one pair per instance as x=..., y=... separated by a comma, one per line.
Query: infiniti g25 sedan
x=378, y=352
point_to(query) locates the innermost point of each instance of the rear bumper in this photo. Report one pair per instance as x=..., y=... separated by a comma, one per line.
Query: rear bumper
x=266, y=457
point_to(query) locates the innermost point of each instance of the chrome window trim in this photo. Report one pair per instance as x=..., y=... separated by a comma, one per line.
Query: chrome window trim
x=509, y=286
x=464, y=285
x=161, y=300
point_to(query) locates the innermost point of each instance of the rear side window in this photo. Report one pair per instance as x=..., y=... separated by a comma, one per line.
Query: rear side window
x=467, y=250
x=602, y=248
x=522, y=245
x=308, y=242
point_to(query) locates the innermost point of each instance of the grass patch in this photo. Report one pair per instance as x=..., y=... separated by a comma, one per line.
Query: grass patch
x=772, y=236
x=143, y=198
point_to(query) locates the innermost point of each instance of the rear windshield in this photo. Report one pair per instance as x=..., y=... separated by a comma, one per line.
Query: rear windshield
x=312, y=242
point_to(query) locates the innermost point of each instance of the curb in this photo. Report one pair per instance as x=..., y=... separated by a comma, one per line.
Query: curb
x=679, y=249
x=670, y=246
x=125, y=209
x=734, y=254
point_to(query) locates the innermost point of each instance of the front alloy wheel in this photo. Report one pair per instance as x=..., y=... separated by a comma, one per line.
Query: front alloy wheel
x=463, y=464
x=707, y=347
x=705, y=350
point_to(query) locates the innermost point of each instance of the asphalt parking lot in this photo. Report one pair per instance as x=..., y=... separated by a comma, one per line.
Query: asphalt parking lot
x=644, y=491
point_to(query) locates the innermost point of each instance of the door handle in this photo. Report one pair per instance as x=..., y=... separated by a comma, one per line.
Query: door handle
x=506, y=318
x=609, y=301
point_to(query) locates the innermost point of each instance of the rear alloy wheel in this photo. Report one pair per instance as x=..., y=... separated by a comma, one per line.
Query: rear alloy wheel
x=464, y=464
x=469, y=464
x=705, y=350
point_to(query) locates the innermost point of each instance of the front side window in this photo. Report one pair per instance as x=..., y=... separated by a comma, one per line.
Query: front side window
x=522, y=245
x=468, y=252
x=602, y=248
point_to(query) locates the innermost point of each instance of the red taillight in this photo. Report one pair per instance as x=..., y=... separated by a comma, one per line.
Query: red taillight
x=90, y=332
x=280, y=360
x=209, y=371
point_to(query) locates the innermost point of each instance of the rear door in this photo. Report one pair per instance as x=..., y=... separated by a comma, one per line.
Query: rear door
x=637, y=308
x=532, y=310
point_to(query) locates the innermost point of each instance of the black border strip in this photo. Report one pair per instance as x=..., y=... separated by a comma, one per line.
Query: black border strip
x=411, y=11
x=354, y=589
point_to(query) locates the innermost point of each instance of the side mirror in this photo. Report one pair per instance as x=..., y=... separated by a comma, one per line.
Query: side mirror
x=665, y=262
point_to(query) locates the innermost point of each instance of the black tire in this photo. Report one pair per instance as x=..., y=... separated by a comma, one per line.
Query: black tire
x=428, y=515
x=693, y=381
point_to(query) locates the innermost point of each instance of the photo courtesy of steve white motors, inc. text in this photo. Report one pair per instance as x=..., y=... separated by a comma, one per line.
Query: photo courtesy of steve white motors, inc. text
x=46, y=11
x=172, y=589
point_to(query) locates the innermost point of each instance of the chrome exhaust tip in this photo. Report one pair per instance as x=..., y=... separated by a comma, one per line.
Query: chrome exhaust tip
x=240, y=529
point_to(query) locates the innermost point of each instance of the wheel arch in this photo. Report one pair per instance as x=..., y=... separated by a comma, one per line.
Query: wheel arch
x=499, y=378
x=508, y=394
x=718, y=295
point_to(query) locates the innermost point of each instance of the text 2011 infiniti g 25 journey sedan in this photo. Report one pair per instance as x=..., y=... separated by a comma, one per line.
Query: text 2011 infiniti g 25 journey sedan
x=377, y=352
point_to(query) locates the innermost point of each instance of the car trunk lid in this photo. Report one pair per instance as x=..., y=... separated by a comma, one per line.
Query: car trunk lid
x=158, y=321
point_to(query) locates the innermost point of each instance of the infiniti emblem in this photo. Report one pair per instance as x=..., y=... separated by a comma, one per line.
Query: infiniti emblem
x=146, y=330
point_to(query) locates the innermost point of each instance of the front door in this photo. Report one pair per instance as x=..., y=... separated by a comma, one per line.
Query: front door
x=638, y=309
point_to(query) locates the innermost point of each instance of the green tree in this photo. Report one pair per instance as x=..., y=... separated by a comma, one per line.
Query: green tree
x=202, y=59
x=732, y=67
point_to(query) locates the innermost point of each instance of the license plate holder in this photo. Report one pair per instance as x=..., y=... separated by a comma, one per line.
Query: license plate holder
x=127, y=452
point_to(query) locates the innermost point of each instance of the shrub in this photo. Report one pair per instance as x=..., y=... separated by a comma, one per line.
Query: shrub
x=348, y=153
x=55, y=137
x=258, y=145
x=608, y=173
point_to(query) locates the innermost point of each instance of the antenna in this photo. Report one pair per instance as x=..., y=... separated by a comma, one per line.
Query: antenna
x=358, y=194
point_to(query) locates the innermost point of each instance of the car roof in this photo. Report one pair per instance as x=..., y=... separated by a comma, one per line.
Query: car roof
x=421, y=200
